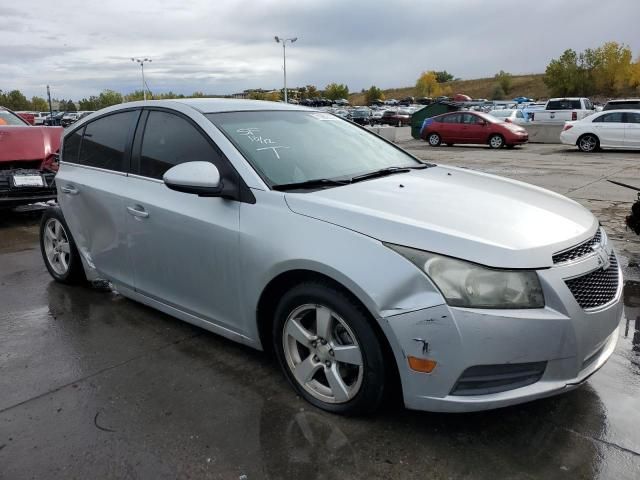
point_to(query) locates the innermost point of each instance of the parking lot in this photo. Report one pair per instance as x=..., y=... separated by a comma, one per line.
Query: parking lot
x=93, y=385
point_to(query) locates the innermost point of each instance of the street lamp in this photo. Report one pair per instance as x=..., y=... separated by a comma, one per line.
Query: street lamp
x=141, y=61
x=284, y=41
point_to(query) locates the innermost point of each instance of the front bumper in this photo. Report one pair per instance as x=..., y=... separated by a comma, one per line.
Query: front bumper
x=13, y=196
x=573, y=343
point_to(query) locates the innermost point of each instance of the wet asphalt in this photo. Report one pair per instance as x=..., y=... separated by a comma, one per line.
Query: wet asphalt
x=93, y=385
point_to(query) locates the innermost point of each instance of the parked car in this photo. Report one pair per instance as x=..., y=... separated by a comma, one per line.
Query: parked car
x=396, y=118
x=472, y=127
x=376, y=117
x=68, y=118
x=558, y=110
x=39, y=117
x=363, y=268
x=607, y=129
x=55, y=119
x=361, y=115
x=28, y=161
x=510, y=116
x=28, y=117
x=623, y=104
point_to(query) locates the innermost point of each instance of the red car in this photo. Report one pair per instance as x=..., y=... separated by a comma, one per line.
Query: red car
x=471, y=127
x=28, y=161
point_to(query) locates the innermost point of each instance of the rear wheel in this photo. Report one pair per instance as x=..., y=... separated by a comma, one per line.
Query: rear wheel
x=328, y=350
x=588, y=143
x=496, y=141
x=58, y=249
x=434, y=139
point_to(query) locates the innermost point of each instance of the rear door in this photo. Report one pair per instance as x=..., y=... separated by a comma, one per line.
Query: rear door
x=632, y=130
x=450, y=128
x=610, y=129
x=92, y=181
x=473, y=131
x=184, y=247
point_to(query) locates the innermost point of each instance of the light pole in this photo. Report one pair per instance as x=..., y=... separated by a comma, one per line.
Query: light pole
x=141, y=61
x=284, y=41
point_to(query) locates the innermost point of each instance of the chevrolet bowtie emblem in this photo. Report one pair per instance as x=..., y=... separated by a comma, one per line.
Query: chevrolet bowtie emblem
x=603, y=258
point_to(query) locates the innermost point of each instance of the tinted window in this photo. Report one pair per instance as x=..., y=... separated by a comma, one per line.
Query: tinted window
x=633, y=117
x=169, y=140
x=71, y=146
x=519, y=114
x=616, y=117
x=105, y=141
x=622, y=104
x=564, y=105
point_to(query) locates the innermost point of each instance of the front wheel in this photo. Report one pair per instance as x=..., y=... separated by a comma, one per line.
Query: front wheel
x=434, y=139
x=496, y=141
x=588, y=143
x=58, y=249
x=328, y=350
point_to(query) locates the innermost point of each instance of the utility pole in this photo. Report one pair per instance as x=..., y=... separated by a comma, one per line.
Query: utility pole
x=142, y=61
x=50, y=107
x=284, y=61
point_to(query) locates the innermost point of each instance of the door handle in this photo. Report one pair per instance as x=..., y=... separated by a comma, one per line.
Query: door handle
x=138, y=212
x=70, y=189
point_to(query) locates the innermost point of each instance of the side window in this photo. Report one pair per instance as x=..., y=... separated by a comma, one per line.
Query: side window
x=170, y=140
x=519, y=114
x=616, y=117
x=469, y=119
x=105, y=141
x=453, y=118
x=633, y=117
x=71, y=147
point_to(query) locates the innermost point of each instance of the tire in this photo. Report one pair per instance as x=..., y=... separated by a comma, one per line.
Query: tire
x=496, y=141
x=434, y=139
x=349, y=383
x=588, y=143
x=56, y=242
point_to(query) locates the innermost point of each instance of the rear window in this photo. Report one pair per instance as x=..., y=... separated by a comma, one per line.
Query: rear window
x=564, y=105
x=622, y=104
x=615, y=117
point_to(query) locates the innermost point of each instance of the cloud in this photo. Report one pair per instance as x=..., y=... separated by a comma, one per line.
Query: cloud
x=227, y=46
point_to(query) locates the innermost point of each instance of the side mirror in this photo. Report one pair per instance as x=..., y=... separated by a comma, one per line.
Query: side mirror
x=200, y=178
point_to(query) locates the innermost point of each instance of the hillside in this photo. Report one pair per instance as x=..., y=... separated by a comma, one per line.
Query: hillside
x=526, y=85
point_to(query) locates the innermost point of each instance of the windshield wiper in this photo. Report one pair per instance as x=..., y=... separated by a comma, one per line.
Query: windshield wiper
x=383, y=172
x=316, y=183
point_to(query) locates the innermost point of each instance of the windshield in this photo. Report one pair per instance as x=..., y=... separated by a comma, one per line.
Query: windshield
x=297, y=146
x=9, y=118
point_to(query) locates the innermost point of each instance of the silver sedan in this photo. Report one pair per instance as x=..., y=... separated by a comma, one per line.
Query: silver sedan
x=363, y=269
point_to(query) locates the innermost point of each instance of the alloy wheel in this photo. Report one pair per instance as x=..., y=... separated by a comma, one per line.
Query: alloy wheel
x=496, y=141
x=323, y=353
x=56, y=246
x=588, y=143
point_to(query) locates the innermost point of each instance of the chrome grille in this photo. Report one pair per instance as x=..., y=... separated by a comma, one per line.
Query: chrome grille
x=585, y=248
x=596, y=288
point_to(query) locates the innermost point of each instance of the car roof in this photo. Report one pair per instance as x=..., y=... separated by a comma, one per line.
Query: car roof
x=620, y=100
x=217, y=105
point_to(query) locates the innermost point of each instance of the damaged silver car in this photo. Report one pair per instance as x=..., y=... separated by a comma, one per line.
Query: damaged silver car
x=364, y=269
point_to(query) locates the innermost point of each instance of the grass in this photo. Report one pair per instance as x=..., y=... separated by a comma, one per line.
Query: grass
x=522, y=85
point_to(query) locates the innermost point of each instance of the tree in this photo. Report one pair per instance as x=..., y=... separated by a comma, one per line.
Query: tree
x=69, y=106
x=563, y=76
x=634, y=78
x=312, y=91
x=444, y=76
x=427, y=85
x=90, y=103
x=504, y=80
x=14, y=100
x=108, y=98
x=39, y=104
x=497, y=93
x=612, y=72
x=336, y=91
x=373, y=94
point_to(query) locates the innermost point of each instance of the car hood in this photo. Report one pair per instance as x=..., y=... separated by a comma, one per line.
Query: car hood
x=28, y=143
x=457, y=212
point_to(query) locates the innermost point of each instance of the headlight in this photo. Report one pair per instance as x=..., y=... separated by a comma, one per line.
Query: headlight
x=466, y=284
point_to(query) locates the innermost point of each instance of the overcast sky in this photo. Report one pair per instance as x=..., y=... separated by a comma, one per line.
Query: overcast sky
x=81, y=47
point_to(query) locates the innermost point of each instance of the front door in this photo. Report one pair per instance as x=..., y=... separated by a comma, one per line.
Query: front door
x=610, y=129
x=184, y=247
